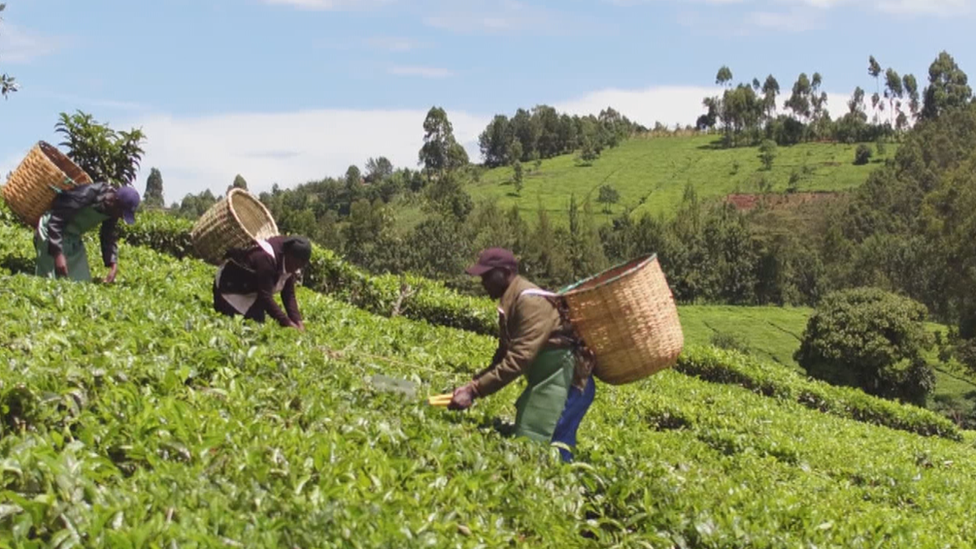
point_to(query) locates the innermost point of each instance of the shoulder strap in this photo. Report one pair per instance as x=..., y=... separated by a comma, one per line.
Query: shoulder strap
x=534, y=291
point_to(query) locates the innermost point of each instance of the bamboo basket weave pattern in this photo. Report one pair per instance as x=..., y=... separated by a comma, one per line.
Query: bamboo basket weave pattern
x=628, y=318
x=29, y=190
x=235, y=222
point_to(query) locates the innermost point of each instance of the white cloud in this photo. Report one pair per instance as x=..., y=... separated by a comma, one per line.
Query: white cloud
x=393, y=44
x=424, y=72
x=19, y=45
x=795, y=20
x=290, y=148
x=497, y=17
x=329, y=5
x=920, y=7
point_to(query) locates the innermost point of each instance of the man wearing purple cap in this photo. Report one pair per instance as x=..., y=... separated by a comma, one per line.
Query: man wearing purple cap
x=536, y=341
x=60, y=249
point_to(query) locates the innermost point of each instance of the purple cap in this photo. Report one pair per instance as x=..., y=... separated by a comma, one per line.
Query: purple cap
x=493, y=258
x=129, y=201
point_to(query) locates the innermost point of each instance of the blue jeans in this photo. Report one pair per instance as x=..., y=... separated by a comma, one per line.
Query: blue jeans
x=577, y=403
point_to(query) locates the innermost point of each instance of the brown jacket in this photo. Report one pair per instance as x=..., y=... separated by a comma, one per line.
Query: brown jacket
x=526, y=327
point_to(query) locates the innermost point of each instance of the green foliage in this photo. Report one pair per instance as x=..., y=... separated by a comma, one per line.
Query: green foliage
x=153, y=196
x=133, y=413
x=729, y=342
x=193, y=206
x=719, y=366
x=518, y=177
x=767, y=153
x=608, y=197
x=106, y=155
x=881, y=146
x=870, y=339
x=862, y=155
x=239, y=183
x=948, y=88
x=441, y=151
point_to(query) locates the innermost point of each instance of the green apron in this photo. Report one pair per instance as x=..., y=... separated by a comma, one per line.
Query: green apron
x=71, y=244
x=541, y=404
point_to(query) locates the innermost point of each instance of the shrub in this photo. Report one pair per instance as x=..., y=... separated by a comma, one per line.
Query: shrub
x=862, y=155
x=871, y=339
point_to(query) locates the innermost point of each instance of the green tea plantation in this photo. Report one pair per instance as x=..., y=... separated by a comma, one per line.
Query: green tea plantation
x=133, y=416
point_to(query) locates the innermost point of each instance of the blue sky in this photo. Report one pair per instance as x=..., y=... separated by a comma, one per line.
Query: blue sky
x=290, y=90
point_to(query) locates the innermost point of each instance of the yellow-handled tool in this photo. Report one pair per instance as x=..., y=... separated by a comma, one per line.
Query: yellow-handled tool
x=440, y=400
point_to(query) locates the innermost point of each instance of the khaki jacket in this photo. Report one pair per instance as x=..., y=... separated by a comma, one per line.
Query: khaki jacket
x=527, y=325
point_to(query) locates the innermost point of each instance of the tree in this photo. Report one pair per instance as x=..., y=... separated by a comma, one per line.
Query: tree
x=799, y=101
x=518, y=180
x=106, y=155
x=153, y=197
x=911, y=90
x=585, y=249
x=441, y=151
x=608, y=197
x=767, y=153
x=7, y=84
x=378, y=169
x=770, y=90
x=862, y=155
x=495, y=141
x=948, y=87
x=239, y=183
x=724, y=76
x=870, y=339
x=894, y=91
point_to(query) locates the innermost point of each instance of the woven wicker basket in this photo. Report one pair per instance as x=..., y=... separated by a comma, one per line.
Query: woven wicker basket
x=235, y=222
x=30, y=189
x=627, y=317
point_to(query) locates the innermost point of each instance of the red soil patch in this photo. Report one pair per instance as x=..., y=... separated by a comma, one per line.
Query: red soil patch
x=779, y=201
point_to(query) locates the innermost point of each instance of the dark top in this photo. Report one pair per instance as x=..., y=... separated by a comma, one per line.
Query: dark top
x=68, y=203
x=253, y=270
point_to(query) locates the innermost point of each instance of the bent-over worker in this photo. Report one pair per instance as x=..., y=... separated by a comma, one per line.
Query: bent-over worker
x=248, y=280
x=535, y=341
x=57, y=237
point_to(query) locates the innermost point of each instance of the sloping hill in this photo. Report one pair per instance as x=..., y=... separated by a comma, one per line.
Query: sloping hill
x=132, y=415
x=650, y=174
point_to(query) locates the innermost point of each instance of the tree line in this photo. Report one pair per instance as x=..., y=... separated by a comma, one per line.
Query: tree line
x=748, y=112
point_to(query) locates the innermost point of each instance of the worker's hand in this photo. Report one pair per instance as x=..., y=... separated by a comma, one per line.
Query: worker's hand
x=110, y=277
x=463, y=397
x=61, y=265
x=296, y=325
x=300, y=325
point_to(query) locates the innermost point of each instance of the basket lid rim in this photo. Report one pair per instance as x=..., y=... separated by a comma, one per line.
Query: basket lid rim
x=633, y=266
x=255, y=200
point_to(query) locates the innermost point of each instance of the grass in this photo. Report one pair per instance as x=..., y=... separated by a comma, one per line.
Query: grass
x=774, y=333
x=770, y=333
x=651, y=174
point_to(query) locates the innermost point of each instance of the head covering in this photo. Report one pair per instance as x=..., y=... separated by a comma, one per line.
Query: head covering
x=129, y=201
x=493, y=258
x=298, y=247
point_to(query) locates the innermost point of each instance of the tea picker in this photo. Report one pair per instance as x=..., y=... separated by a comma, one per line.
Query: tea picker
x=619, y=326
x=58, y=199
x=255, y=263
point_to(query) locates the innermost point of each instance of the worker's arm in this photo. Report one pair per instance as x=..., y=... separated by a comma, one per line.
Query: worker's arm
x=533, y=321
x=109, y=237
x=266, y=272
x=291, y=304
x=498, y=356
